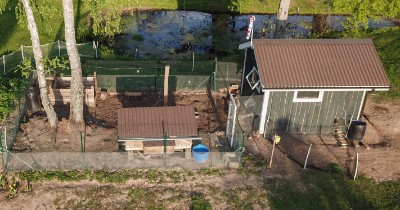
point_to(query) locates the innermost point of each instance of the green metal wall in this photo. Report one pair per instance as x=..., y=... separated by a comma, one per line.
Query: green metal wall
x=284, y=115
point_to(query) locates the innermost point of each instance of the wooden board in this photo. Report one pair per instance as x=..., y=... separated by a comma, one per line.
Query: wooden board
x=133, y=145
x=183, y=144
x=157, y=147
x=60, y=92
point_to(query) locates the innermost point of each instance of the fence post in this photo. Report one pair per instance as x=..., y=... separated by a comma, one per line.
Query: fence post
x=4, y=65
x=5, y=137
x=2, y=157
x=165, y=148
x=59, y=48
x=227, y=72
x=95, y=45
x=22, y=52
x=215, y=74
x=242, y=149
x=193, y=62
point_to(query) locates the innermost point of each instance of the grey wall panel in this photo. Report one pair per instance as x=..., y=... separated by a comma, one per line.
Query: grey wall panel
x=310, y=117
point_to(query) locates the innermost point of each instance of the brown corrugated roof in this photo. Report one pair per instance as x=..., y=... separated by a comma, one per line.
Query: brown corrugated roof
x=318, y=63
x=147, y=122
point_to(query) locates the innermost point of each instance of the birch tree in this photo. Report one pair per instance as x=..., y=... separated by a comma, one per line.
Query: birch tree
x=38, y=55
x=76, y=101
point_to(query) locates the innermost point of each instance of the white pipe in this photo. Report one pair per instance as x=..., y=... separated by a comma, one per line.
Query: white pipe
x=308, y=153
x=4, y=65
x=22, y=52
x=361, y=105
x=264, y=111
x=355, y=173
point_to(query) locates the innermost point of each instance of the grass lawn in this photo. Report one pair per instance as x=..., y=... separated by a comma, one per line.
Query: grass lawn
x=386, y=41
x=388, y=46
x=13, y=35
x=322, y=190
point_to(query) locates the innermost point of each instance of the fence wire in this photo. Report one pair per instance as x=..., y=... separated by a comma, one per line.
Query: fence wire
x=116, y=161
x=56, y=49
x=210, y=77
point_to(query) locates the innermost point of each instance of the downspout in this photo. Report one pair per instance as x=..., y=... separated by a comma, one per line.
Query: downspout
x=264, y=111
x=244, y=70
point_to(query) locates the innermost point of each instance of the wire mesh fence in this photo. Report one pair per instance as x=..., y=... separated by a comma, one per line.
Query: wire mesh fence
x=56, y=49
x=142, y=76
x=115, y=161
x=114, y=76
x=11, y=123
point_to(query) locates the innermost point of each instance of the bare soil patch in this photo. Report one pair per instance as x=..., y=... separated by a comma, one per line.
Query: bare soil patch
x=101, y=122
x=379, y=160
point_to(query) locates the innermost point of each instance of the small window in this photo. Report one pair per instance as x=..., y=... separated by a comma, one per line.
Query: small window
x=308, y=96
x=253, y=78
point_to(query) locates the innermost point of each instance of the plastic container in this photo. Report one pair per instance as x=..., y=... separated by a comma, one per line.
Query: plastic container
x=357, y=130
x=200, y=153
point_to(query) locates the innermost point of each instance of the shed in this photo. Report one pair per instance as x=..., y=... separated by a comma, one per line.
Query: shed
x=146, y=128
x=306, y=84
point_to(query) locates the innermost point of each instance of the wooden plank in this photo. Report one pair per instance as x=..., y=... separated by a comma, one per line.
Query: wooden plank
x=183, y=144
x=157, y=147
x=134, y=145
x=127, y=93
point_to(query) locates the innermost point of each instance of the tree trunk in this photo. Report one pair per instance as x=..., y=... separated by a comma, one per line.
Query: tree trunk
x=283, y=10
x=37, y=52
x=281, y=18
x=76, y=104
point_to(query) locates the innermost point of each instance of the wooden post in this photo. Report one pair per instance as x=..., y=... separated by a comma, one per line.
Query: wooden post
x=215, y=74
x=166, y=76
x=276, y=140
x=272, y=153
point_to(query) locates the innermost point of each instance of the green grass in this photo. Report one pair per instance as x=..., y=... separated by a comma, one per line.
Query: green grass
x=322, y=190
x=387, y=44
x=101, y=176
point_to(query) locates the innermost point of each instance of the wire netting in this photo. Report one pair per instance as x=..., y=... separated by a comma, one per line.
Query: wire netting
x=123, y=76
x=56, y=49
x=116, y=161
x=146, y=76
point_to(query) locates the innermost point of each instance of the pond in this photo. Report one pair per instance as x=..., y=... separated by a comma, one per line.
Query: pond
x=171, y=32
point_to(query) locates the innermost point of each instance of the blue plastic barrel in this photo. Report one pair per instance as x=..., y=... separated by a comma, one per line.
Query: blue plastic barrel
x=200, y=153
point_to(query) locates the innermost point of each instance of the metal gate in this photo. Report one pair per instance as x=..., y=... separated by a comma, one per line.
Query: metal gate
x=231, y=123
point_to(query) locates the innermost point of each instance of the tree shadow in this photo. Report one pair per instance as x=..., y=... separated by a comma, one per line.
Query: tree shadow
x=77, y=10
x=7, y=30
x=213, y=6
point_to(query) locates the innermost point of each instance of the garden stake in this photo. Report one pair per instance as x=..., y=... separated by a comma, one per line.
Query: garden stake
x=308, y=153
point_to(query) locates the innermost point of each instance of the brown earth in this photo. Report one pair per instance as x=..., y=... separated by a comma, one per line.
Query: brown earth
x=101, y=122
x=378, y=156
x=378, y=162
